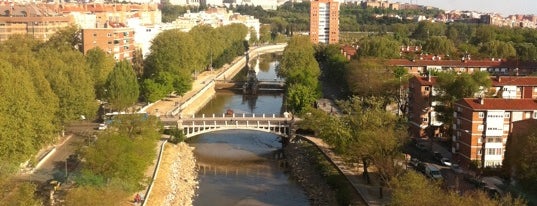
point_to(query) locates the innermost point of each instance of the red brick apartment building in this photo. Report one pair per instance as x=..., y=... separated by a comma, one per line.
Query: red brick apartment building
x=118, y=41
x=324, y=21
x=34, y=20
x=421, y=114
x=482, y=126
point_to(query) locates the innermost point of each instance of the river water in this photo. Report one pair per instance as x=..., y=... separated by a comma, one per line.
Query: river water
x=240, y=167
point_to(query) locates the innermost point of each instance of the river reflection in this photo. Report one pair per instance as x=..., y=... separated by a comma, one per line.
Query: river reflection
x=241, y=167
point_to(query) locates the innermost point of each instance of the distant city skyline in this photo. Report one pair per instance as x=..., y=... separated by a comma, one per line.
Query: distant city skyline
x=502, y=7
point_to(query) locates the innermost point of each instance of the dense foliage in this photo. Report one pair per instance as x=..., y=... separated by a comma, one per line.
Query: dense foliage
x=520, y=157
x=407, y=186
x=301, y=72
x=43, y=85
x=177, y=57
x=119, y=158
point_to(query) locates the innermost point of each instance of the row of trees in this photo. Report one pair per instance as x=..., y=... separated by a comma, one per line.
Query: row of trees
x=301, y=72
x=453, y=41
x=177, y=57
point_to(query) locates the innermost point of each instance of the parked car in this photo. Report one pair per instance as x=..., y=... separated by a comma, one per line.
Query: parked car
x=414, y=162
x=433, y=172
x=445, y=161
x=102, y=126
x=456, y=168
x=437, y=156
x=478, y=183
x=421, y=147
x=491, y=191
x=421, y=167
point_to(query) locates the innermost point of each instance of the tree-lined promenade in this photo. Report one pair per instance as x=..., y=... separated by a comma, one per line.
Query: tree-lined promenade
x=46, y=85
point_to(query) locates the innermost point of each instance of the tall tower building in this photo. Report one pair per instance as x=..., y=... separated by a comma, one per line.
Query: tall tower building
x=324, y=21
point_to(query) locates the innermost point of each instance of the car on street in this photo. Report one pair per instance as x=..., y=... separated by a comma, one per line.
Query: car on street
x=445, y=162
x=456, y=168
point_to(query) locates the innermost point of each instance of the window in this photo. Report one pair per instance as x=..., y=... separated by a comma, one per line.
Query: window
x=478, y=151
x=426, y=88
x=506, y=127
x=109, y=35
x=507, y=115
x=480, y=127
x=479, y=140
x=94, y=34
x=425, y=119
x=534, y=114
x=493, y=151
x=528, y=115
x=481, y=115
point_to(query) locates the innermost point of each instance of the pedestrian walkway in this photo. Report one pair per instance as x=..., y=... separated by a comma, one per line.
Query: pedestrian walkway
x=372, y=195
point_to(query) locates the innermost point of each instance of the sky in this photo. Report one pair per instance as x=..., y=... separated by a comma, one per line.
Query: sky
x=503, y=7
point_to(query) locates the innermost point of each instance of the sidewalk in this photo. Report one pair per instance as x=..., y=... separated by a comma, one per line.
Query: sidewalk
x=369, y=193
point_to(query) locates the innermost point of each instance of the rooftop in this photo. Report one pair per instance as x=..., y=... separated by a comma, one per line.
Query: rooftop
x=499, y=104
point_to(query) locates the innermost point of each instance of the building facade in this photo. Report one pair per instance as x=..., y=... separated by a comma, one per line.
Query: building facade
x=324, y=21
x=117, y=41
x=422, y=117
x=482, y=126
x=33, y=20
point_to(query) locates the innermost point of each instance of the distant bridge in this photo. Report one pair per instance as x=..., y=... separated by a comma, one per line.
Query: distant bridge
x=262, y=85
x=192, y=126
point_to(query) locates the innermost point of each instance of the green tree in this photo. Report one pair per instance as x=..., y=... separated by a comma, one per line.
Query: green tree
x=122, y=154
x=520, y=157
x=439, y=45
x=407, y=185
x=100, y=65
x=253, y=37
x=484, y=34
x=265, y=34
x=21, y=109
x=299, y=97
x=67, y=74
x=298, y=64
x=498, y=49
x=379, y=47
x=526, y=51
x=138, y=63
x=122, y=90
x=369, y=77
x=452, y=87
x=426, y=29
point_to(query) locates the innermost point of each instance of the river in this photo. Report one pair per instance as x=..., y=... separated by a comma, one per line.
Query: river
x=240, y=167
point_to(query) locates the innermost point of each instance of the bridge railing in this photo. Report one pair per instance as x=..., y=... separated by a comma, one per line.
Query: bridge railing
x=242, y=115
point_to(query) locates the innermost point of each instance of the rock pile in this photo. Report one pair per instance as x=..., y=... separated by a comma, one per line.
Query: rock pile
x=303, y=169
x=176, y=182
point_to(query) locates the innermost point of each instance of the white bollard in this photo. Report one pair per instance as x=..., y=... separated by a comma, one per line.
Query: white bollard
x=243, y=115
x=263, y=115
x=213, y=115
x=253, y=115
x=203, y=116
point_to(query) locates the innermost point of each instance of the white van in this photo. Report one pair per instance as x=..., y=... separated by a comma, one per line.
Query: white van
x=433, y=172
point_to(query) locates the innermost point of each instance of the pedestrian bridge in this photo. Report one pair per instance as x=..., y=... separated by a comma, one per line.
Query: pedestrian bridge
x=195, y=125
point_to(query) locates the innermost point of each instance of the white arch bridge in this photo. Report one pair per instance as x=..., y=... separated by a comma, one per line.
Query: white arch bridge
x=195, y=125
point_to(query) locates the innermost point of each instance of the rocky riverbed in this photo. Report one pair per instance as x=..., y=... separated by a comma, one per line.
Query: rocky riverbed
x=176, y=182
x=304, y=170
